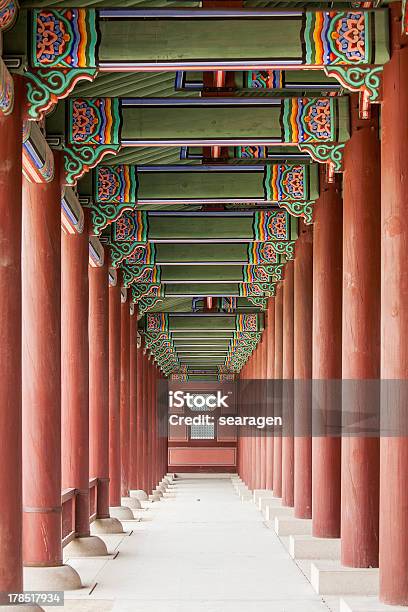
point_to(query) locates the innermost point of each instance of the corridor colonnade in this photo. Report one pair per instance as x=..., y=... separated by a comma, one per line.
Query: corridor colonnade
x=341, y=314
x=82, y=433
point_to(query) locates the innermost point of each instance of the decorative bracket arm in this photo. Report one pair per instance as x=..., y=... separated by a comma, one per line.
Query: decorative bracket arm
x=367, y=80
x=299, y=209
x=330, y=154
x=45, y=87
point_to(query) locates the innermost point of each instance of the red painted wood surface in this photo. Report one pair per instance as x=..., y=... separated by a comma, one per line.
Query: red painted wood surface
x=75, y=372
x=287, y=394
x=361, y=339
x=114, y=396
x=99, y=383
x=202, y=456
x=327, y=292
x=41, y=333
x=270, y=361
x=11, y=579
x=124, y=396
x=277, y=449
x=302, y=371
x=133, y=390
x=394, y=326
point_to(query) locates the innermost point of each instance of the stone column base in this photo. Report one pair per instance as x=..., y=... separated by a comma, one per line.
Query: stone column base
x=57, y=578
x=309, y=547
x=138, y=494
x=106, y=525
x=87, y=546
x=131, y=502
x=122, y=513
x=332, y=578
x=368, y=604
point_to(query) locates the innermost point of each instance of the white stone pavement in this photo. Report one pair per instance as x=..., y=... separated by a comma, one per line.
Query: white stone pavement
x=200, y=550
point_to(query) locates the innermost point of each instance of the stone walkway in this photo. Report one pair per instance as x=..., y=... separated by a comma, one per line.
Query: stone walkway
x=200, y=550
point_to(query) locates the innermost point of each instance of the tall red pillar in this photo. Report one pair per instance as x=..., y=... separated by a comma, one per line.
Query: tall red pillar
x=98, y=326
x=361, y=340
x=302, y=372
x=11, y=562
x=124, y=394
x=262, y=407
x=287, y=392
x=139, y=457
x=145, y=396
x=327, y=295
x=75, y=386
x=277, y=394
x=270, y=360
x=116, y=510
x=41, y=385
x=394, y=323
x=133, y=390
x=257, y=433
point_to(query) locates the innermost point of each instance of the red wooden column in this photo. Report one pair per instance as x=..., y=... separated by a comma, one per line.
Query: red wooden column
x=252, y=433
x=262, y=407
x=41, y=385
x=270, y=361
x=149, y=425
x=75, y=386
x=145, y=396
x=256, y=432
x=361, y=339
x=140, y=456
x=327, y=294
x=116, y=509
x=394, y=323
x=133, y=389
x=287, y=394
x=302, y=372
x=124, y=394
x=98, y=326
x=277, y=398
x=11, y=561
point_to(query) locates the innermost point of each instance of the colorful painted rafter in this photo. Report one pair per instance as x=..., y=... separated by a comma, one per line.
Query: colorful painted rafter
x=38, y=160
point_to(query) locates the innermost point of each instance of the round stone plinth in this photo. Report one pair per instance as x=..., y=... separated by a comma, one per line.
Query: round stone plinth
x=58, y=578
x=162, y=488
x=106, y=525
x=121, y=512
x=87, y=546
x=158, y=492
x=131, y=502
x=138, y=494
x=155, y=497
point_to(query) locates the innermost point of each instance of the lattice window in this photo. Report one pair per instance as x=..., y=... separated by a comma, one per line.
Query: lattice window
x=202, y=432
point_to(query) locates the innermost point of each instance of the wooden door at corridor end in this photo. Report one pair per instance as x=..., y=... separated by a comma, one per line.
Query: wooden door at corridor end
x=207, y=446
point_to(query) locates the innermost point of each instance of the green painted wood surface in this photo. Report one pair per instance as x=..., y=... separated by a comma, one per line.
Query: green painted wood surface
x=155, y=122
x=197, y=273
x=200, y=185
x=201, y=252
x=199, y=227
x=183, y=39
x=194, y=289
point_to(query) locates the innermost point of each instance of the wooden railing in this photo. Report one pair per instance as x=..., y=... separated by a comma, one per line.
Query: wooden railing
x=68, y=503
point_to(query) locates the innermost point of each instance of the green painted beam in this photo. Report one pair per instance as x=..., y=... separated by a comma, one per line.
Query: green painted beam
x=224, y=273
x=199, y=253
x=178, y=185
x=197, y=289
